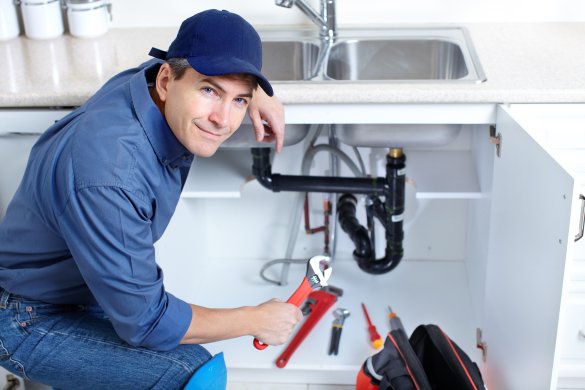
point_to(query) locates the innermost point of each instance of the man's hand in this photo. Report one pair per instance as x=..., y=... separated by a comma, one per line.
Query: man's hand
x=267, y=116
x=270, y=322
x=275, y=320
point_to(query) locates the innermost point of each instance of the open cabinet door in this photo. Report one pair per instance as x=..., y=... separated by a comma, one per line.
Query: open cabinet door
x=531, y=206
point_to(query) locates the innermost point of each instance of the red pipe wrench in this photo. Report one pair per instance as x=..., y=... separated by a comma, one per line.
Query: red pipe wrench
x=319, y=302
x=314, y=279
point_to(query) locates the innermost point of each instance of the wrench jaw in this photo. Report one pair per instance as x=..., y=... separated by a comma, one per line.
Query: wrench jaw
x=318, y=271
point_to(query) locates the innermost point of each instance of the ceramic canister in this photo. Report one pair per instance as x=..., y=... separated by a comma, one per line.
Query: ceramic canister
x=42, y=19
x=8, y=20
x=88, y=18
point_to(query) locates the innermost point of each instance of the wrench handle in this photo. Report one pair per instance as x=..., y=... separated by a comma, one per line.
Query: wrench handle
x=259, y=344
x=301, y=293
x=297, y=298
x=324, y=300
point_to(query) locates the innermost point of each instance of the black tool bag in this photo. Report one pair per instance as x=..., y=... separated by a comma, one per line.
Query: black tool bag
x=429, y=360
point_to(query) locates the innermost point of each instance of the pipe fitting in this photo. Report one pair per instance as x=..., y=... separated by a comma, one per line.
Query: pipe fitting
x=389, y=213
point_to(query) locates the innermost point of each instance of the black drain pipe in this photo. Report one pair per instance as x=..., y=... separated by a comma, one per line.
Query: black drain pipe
x=262, y=169
x=389, y=212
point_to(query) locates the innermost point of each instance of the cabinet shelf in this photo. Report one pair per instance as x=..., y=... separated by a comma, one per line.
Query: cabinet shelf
x=419, y=291
x=443, y=174
x=435, y=175
x=219, y=176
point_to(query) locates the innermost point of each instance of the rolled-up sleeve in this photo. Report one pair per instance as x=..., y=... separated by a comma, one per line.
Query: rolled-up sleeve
x=108, y=231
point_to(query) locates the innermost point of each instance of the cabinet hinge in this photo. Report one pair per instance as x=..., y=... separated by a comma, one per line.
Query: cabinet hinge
x=496, y=139
x=480, y=344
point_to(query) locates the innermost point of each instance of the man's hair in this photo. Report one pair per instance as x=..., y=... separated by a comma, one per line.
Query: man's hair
x=180, y=65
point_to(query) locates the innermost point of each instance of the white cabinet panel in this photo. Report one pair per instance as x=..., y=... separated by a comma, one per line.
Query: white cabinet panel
x=529, y=228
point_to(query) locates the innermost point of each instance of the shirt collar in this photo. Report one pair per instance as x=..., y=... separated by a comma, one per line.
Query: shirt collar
x=164, y=143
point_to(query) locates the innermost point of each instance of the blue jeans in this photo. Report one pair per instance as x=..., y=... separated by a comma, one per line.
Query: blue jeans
x=76, y=347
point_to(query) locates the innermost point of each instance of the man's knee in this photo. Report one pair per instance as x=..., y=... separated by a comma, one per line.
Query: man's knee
x=210, y=376
x=192, y=355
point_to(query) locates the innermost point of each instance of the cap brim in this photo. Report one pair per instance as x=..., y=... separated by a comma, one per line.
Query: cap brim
x=222, y=66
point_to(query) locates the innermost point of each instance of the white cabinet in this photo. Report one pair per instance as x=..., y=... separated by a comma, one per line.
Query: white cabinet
x=19, y=129
x=535, y=210
x=494, y=253
x=491, y=245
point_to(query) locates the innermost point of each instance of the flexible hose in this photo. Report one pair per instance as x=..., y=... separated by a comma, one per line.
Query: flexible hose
x=333, y=150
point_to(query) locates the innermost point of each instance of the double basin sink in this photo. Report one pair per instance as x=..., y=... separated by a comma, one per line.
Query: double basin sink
x=401, y=55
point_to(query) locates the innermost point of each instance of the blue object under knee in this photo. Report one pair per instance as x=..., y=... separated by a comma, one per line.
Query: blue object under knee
x=210, y=376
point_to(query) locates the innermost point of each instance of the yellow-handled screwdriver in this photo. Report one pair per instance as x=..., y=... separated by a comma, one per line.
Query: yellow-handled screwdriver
x=395, y=322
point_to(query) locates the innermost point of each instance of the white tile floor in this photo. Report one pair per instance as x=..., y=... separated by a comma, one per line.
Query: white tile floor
x=284, y=386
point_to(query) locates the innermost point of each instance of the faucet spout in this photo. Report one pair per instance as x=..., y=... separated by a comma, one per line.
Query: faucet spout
x=324, y=20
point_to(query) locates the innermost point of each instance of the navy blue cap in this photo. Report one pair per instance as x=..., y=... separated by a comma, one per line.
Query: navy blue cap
x=218, y=43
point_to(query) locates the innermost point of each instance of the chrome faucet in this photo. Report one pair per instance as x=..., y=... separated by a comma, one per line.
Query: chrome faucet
x=325, y=20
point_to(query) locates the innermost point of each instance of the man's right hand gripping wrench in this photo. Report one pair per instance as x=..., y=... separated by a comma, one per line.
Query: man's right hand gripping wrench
x=318, y=273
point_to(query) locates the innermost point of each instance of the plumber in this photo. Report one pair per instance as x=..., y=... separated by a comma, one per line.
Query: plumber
x=82, y=300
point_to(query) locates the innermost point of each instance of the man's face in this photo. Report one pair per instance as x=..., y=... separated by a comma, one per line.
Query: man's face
x=203, y=111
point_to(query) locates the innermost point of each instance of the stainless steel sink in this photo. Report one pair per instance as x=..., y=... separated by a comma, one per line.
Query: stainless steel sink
x=396, y=55
x=396, y=60
x=288, y=60
x=437, y=55
x=405, y=55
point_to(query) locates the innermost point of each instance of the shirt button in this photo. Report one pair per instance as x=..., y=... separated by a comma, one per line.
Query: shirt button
x=184, y=158
x=29, y=309
x=23, y=324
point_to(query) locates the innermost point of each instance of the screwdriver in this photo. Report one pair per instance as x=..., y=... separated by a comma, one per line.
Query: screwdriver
x=395, y=322
x=374, y=335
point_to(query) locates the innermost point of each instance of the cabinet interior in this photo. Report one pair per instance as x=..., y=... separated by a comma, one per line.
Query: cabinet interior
x=227, y=226
x=222, y=243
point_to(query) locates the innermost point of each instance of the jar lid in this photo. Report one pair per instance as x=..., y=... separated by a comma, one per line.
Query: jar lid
x=83, y=1
x=37, y=2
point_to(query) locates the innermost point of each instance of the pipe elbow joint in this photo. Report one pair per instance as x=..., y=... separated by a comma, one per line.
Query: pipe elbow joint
x=261, y=167
x=378, y=267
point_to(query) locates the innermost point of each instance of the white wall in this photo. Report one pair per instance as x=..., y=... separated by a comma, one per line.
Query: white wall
x=155, y=13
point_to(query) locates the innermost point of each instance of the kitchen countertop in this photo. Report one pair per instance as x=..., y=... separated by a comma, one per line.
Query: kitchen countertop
x=523, y=63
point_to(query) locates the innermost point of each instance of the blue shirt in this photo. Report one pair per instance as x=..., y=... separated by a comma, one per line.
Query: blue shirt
x=99, y=190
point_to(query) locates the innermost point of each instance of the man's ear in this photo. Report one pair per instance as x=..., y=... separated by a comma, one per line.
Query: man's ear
x=162, y=81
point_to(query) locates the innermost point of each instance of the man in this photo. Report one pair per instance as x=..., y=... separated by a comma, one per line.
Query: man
x=82, y=301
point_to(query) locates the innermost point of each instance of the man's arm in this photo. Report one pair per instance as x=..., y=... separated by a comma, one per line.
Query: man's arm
x=108, y=231
x=270, y=322
x=264, y=108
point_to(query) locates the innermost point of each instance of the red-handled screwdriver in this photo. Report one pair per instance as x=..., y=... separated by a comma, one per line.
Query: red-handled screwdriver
x=374, y=335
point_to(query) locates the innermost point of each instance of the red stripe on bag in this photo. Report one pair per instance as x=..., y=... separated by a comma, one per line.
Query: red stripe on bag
x=459, y=358
x=404, y=360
